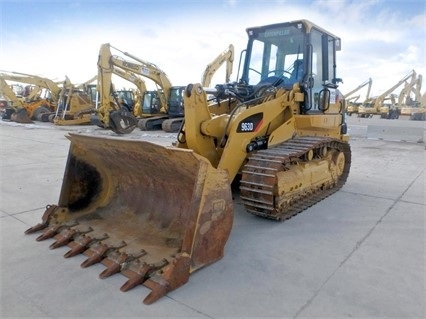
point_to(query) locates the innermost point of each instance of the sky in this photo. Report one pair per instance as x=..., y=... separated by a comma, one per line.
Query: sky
x=381, y=39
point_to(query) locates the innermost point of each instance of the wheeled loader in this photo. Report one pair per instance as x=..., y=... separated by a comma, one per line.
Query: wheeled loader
x=156, y=214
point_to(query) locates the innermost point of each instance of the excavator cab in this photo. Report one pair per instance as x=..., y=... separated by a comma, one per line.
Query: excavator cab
x=175, y=102
x=156, y=214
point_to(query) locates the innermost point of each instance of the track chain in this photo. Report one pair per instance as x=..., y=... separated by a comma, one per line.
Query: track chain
x=259, y=179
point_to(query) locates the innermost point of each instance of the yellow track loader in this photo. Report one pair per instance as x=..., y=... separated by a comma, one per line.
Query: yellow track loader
x=156, y=214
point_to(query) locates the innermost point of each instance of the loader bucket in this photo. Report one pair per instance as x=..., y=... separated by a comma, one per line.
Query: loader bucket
x=155, y=214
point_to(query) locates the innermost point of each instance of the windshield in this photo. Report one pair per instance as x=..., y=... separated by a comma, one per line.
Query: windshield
x=176, y=95
x=275, y=52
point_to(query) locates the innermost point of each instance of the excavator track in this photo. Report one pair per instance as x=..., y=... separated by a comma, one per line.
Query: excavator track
x=151, y=123
x=172, y=125
x=264, y=175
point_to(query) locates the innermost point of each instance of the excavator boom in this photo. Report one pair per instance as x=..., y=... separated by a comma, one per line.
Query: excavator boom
x=64, y=105
x=376, y=105
x=17, y=112
x=227, y=57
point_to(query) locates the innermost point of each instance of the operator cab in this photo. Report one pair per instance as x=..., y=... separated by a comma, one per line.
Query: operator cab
x=294, y=52
x=175, y=102
x=151, y=104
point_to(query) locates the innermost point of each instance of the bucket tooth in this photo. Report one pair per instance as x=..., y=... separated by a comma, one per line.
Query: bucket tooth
x=63, y=238
x=67, y=235
x=116, y=260
x=50, y=232
x=159, y=288
x=113, y=263
x=97, y=252
x=36, y=228
x=136, y=275
x=55, y=229
x=81, y=243
x=138, y=272
x=172, y=276
x=45, y=220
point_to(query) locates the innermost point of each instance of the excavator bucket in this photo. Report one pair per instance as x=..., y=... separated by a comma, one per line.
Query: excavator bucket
x=122, y=121
x=20, y=116
x=154, y=214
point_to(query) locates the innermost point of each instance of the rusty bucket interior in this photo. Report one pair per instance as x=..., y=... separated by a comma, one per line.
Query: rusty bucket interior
x=153, y=213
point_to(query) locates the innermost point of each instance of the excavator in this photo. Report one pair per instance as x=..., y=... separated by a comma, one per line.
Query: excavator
x=137, y=94
x=3, y=104
x=376, y=105
x=227, y=57
x=128, y=99
x=414, y=108
x=64, y=105
x=175, y=102
x=157, y=214
x=119, y=119
x=161, y=108
x=35, y=107
x=393, y=110
x=351, y=105
x=420, y=113
x=14, y=108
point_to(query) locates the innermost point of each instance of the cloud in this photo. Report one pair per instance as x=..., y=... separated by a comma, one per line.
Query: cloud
x=378, y=40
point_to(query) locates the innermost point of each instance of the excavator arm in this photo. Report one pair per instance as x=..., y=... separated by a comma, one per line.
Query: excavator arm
x=351, y=106
x=369, y=82
x=9, y=94
x=375, y=105
x=19, y=111
x=109, y=112
x=52, y=86
x=417, y=88
x=226, y=56
x=138, y=82
x=108, y=63
x=42, y=109
x=140, y=67
x=413, y=107
x=407, y=89
x=150, y=71
x=379, y=100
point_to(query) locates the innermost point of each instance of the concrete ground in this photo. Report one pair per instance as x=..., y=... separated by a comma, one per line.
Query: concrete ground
x=359, y=253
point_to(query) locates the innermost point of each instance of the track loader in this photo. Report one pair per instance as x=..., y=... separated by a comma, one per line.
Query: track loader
x=156, y=214
x=75, y=104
